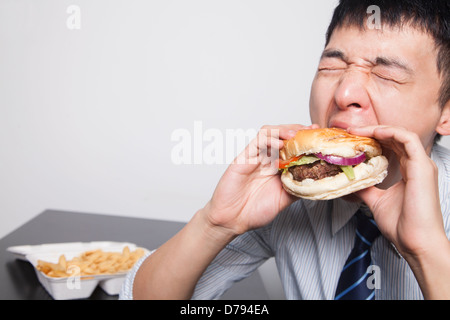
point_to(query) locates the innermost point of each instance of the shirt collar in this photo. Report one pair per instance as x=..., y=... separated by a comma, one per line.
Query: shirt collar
x=341, y=213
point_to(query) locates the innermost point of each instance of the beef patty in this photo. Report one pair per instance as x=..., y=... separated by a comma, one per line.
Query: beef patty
x=316, y=171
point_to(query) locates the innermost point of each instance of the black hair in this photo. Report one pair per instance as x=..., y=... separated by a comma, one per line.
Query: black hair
x=429, y=16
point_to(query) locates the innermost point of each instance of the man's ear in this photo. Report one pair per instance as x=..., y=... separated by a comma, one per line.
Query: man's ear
x=443, y=127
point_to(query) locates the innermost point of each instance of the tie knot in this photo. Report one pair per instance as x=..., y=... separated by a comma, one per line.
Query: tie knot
x=366, y=228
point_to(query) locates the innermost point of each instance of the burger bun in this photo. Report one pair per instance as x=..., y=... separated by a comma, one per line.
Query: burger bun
x=336, y=142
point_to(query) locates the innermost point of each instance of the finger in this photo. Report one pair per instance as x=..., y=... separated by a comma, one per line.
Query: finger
x=269, y=138
x=367, y=131
x=370, y=196
x=262, y=154
x=402, y=140
x=268, y=146
x=269, y=141
x=261, y=146
x=370, y=131
x=399, y=140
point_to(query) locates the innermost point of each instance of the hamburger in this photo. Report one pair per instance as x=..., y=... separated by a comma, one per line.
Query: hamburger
x=323, y=164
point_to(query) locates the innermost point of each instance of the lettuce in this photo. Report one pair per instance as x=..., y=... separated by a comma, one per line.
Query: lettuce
x=348, y=170
x=303, y=160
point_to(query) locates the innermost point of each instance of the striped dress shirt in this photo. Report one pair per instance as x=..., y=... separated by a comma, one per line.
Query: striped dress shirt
x=310, y=241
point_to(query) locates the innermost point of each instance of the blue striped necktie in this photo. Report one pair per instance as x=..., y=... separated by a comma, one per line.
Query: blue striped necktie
x=352, y=284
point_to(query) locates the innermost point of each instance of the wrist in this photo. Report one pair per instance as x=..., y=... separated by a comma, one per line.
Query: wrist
x=432, y=270
x=217, y=234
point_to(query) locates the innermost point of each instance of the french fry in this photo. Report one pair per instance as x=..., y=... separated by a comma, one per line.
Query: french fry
x=62, y=262
x=92, y=262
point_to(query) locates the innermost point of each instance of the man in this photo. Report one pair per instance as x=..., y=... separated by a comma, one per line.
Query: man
x=392, y=84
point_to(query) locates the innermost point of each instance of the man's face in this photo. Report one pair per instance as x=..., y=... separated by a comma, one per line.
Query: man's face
x=374, y=77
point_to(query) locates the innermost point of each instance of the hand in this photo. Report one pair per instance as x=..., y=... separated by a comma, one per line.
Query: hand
x=408, y=212
x=250, y=194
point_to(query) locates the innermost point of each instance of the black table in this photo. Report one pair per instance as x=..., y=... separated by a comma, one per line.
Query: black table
x=18, y=279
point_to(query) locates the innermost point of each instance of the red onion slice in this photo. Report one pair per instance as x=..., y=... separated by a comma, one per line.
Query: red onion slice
x=342, y=161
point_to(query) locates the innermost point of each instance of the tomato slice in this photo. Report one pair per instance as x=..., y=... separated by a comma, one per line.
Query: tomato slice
x=284, y=163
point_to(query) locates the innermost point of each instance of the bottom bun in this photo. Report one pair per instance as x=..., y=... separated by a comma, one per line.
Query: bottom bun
x=367, y=174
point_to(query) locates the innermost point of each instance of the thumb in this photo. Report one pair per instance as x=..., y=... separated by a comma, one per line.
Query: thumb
x=370, y=196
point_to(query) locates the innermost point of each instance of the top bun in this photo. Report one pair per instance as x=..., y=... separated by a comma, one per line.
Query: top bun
x=329, y=141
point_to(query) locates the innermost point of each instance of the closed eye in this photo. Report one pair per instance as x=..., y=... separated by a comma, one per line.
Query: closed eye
x=386, y=78
x=331, y=69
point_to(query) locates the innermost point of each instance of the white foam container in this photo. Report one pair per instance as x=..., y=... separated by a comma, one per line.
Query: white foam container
x=79, y=287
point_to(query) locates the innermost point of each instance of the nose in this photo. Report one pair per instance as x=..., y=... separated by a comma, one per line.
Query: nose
x=352, y=91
